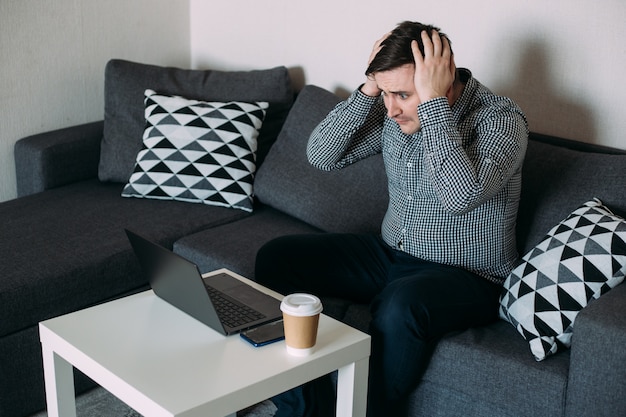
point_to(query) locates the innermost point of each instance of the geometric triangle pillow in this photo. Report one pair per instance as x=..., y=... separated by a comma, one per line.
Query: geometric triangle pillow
x=580, y=259
x=197, y=151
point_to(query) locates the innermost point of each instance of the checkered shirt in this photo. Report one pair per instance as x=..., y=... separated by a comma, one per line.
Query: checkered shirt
x=454, y=185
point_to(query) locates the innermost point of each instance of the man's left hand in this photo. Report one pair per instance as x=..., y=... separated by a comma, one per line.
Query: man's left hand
x=434, y=72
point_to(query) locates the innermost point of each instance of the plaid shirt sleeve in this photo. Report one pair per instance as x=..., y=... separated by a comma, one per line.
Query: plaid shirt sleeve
x=350, y=132
x=467, y=171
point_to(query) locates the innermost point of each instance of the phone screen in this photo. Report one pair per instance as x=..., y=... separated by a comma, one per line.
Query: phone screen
x=265, y=334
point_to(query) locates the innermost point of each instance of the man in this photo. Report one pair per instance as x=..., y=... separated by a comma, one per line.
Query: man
x=453, y=153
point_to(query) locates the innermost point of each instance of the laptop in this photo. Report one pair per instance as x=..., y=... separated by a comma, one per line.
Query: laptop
x=222, y=302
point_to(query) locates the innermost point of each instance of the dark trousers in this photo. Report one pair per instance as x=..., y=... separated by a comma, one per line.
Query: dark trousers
x=413, y=304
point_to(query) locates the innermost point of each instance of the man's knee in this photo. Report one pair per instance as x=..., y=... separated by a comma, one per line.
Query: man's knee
x=270, y=259
x=273, y=249
x=398, y=311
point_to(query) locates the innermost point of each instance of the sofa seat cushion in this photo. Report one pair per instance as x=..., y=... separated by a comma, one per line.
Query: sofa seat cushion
x=234, y=245
x=353, y=199
x=69, y=250
x=479, y=365
x=490, y=363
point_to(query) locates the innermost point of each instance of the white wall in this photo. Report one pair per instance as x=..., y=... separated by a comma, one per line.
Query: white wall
x=562, y=60
x=52, y=58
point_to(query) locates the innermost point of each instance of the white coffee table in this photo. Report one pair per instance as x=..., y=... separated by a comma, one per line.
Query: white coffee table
x=162, y=362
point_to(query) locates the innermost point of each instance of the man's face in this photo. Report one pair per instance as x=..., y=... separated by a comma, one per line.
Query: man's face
x=400, y=97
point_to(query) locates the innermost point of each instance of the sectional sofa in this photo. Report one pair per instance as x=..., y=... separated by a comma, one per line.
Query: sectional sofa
x=64, y=247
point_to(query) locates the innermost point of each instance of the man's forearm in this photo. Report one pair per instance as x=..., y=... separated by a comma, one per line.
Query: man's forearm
x=347, y=134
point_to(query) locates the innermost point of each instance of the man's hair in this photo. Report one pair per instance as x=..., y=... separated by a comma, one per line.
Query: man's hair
x=396, y=48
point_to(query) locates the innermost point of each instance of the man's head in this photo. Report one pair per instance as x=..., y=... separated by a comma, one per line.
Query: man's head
x=396, y=48
x=393, y=70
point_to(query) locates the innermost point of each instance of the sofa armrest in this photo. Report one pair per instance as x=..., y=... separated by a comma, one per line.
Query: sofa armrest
x=58, y=157
x=597, y=376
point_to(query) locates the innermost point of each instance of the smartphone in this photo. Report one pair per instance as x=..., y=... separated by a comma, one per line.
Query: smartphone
x=264, y=334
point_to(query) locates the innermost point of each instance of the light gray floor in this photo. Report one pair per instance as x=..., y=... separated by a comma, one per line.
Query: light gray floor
x=100, y=403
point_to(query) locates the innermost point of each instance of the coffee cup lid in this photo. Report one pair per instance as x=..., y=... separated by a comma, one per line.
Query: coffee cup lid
x=301, y=305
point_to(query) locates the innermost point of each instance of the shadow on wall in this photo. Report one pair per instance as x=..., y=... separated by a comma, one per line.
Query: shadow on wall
x=298, y=79
x=549, y=110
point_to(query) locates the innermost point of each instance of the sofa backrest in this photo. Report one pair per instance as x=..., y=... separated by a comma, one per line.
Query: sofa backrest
x=353, y=199
x=556, y=180
x=124, y=110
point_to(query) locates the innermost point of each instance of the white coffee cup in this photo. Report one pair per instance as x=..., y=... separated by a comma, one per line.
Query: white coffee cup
x=301, y=313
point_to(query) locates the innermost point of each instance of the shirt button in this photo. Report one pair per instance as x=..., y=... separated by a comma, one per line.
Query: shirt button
x=409, y=197
x=409, y=164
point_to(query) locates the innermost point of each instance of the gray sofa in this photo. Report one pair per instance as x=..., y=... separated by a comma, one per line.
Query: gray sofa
x=64, y=246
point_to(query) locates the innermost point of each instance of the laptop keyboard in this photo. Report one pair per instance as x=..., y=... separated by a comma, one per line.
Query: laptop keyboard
x=232, y=313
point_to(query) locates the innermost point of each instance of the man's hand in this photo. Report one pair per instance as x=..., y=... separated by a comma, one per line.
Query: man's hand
x=434, y=72
x=370, y=87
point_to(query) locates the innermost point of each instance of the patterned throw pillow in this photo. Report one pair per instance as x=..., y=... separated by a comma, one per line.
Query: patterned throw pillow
x=197, y=151
x=579, y=260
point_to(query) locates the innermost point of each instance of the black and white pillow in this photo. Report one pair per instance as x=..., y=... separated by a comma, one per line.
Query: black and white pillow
x=197, y=151
x=580, y=259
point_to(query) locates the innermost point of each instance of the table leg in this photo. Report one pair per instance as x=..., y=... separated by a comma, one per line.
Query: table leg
x=59, y=381
x=352, y=389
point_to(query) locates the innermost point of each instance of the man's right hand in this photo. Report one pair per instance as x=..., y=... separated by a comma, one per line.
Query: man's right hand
x=370, y=87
